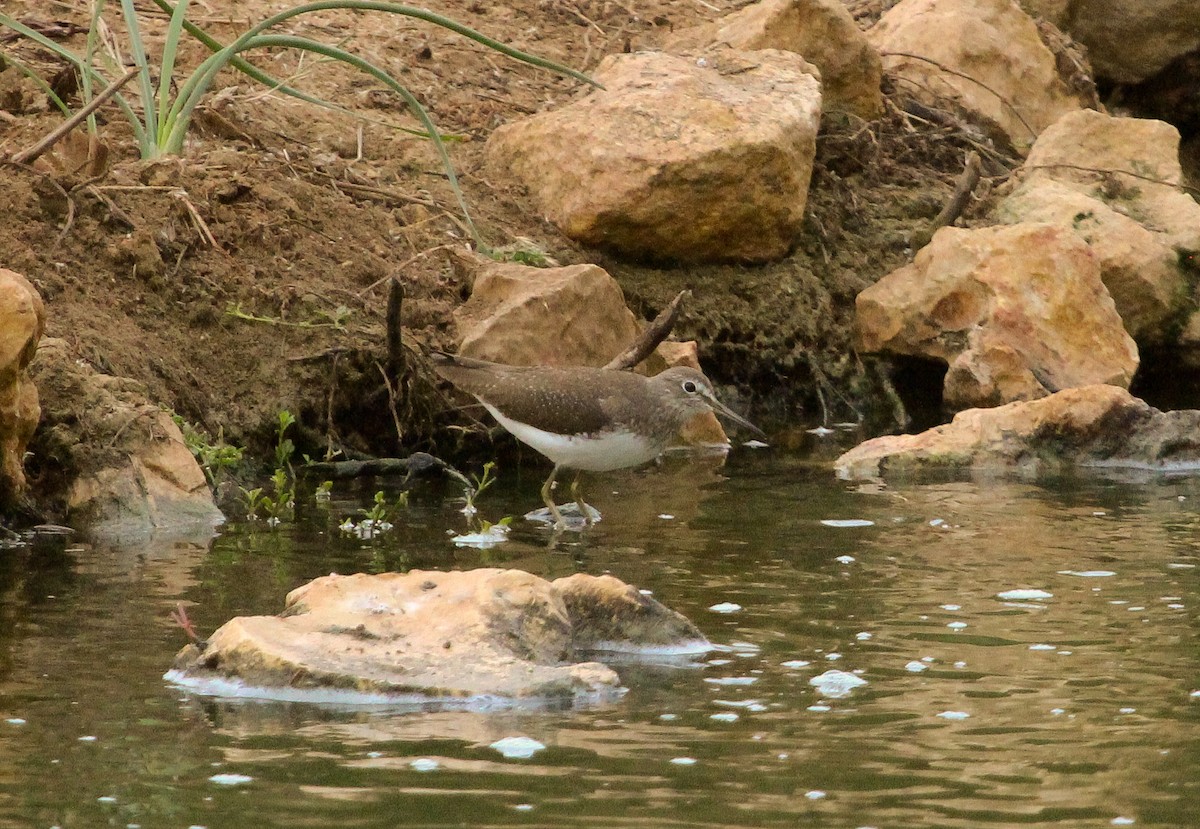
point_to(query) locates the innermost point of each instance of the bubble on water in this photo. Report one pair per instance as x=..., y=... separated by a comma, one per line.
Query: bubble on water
x=1088, y=574
x=1118, y=601
x=862, y=636
x=950, y=607
x=836, y=684
x=1175, y=606
x=523, y=807
x=1179, y=565
x=15, y=721
x=1043, y=647
x=819, y=431
x=937, y=522
x=927, y=659
x=1135, y=608
x=1195, y=694
x=819, y=709
x=107, y=798
x=424, y=764
x=957, y=625
x=668, y=717
x=737, y=703
x=794, y=664
x=960, y=664
x=845, y=559
x=646, y=592
x=1021, y=595
x=230, y=779
x=517, y=748
x=1127, y=710
x=731, y=680
x=726, y=607
x=1099, y=513
x=783, y=755
x=815, y=794
x=1057, y=711
x=683, y=761
x=666, y=516
x=724, y=716
x=916, y=667
x=1065, y=653
x=718, y=662
x=88, y=738
x=1122, y=821
x=954, y=715
x=833, y=657
x=844, y=523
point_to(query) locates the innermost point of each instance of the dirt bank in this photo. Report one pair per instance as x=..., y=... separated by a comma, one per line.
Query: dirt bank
x=249, y=276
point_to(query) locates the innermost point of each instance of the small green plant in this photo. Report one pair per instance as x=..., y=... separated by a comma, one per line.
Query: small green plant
x=167, y=100
x=377, y=520
x=279, y=504
x=214, y=457
x=477, y=486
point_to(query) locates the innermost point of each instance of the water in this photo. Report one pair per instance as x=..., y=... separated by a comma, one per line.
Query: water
x=1075, y=710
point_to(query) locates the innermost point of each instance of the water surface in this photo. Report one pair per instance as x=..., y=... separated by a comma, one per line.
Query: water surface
x=1080, y=708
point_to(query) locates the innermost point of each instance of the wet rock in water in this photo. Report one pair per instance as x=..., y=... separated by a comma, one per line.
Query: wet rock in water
x=1127, y=42
x=22, y=321
x=609, y=615
x=1099, y=426
x=452, y=636
x=823, y=32
x=1015, y=312
x=680, y=158
x=121, y=460
x=985, y=56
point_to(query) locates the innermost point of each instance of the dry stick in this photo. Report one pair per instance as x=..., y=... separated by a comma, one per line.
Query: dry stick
x=965, y=76
x=395, y=352
x=56, y=135
x=654, y=334
x=1111, y=171
x=963, y=187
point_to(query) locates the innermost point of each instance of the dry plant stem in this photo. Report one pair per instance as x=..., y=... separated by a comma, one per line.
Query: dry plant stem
x=654, y=334
x=56, y=135
x=942, y=67
x=395, y=352
x=1113, y=171
x=391, y=393
x=963, y=187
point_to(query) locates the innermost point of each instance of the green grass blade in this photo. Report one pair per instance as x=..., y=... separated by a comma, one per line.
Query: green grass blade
x=167, y=69
x=89, y=59
x=138, y=50
x=78, y=62
x=29, y=72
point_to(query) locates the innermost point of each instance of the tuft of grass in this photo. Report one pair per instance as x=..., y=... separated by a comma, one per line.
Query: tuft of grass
x=166, y=100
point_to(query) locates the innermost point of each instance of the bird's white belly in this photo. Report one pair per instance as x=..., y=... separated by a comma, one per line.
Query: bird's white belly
x=614, y=450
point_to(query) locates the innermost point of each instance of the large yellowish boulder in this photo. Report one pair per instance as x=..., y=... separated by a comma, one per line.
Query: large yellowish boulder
x=22, y=321
x=1097, y=426
x=1127, y=42
x=985, y=56
x=687, y=159
x=1141, y=271
x=1015, y=312
x=821, y=31
x=448, y=636
x=1131, y=164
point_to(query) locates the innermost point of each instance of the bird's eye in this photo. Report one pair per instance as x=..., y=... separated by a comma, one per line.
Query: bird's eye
x=689, y=386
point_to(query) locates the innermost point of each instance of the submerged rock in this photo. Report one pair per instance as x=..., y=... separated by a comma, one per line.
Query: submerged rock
x=449, y=636
x=680, y=158
x=1093, y=426
x=22, y=320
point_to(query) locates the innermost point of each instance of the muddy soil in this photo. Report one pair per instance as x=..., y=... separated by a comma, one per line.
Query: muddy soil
x=251, y=274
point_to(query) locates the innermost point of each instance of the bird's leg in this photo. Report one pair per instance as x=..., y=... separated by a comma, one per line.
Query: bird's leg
x=584, y=509
x=548, y=499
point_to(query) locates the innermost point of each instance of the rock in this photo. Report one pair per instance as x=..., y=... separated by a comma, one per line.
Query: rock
x=22, y=321
x=1015, y=312
x=607, y=614
x=1139, y=268
x=440, y=635
x=685, y=159
x=525, y=316
x=1090, y=426
x=1127, y=42
x=822, y=31
x=1000, y=72
x=1087, y=151
x=128, y=473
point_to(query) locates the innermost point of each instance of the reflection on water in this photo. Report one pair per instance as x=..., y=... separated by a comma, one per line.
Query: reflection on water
x=1074, y=702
